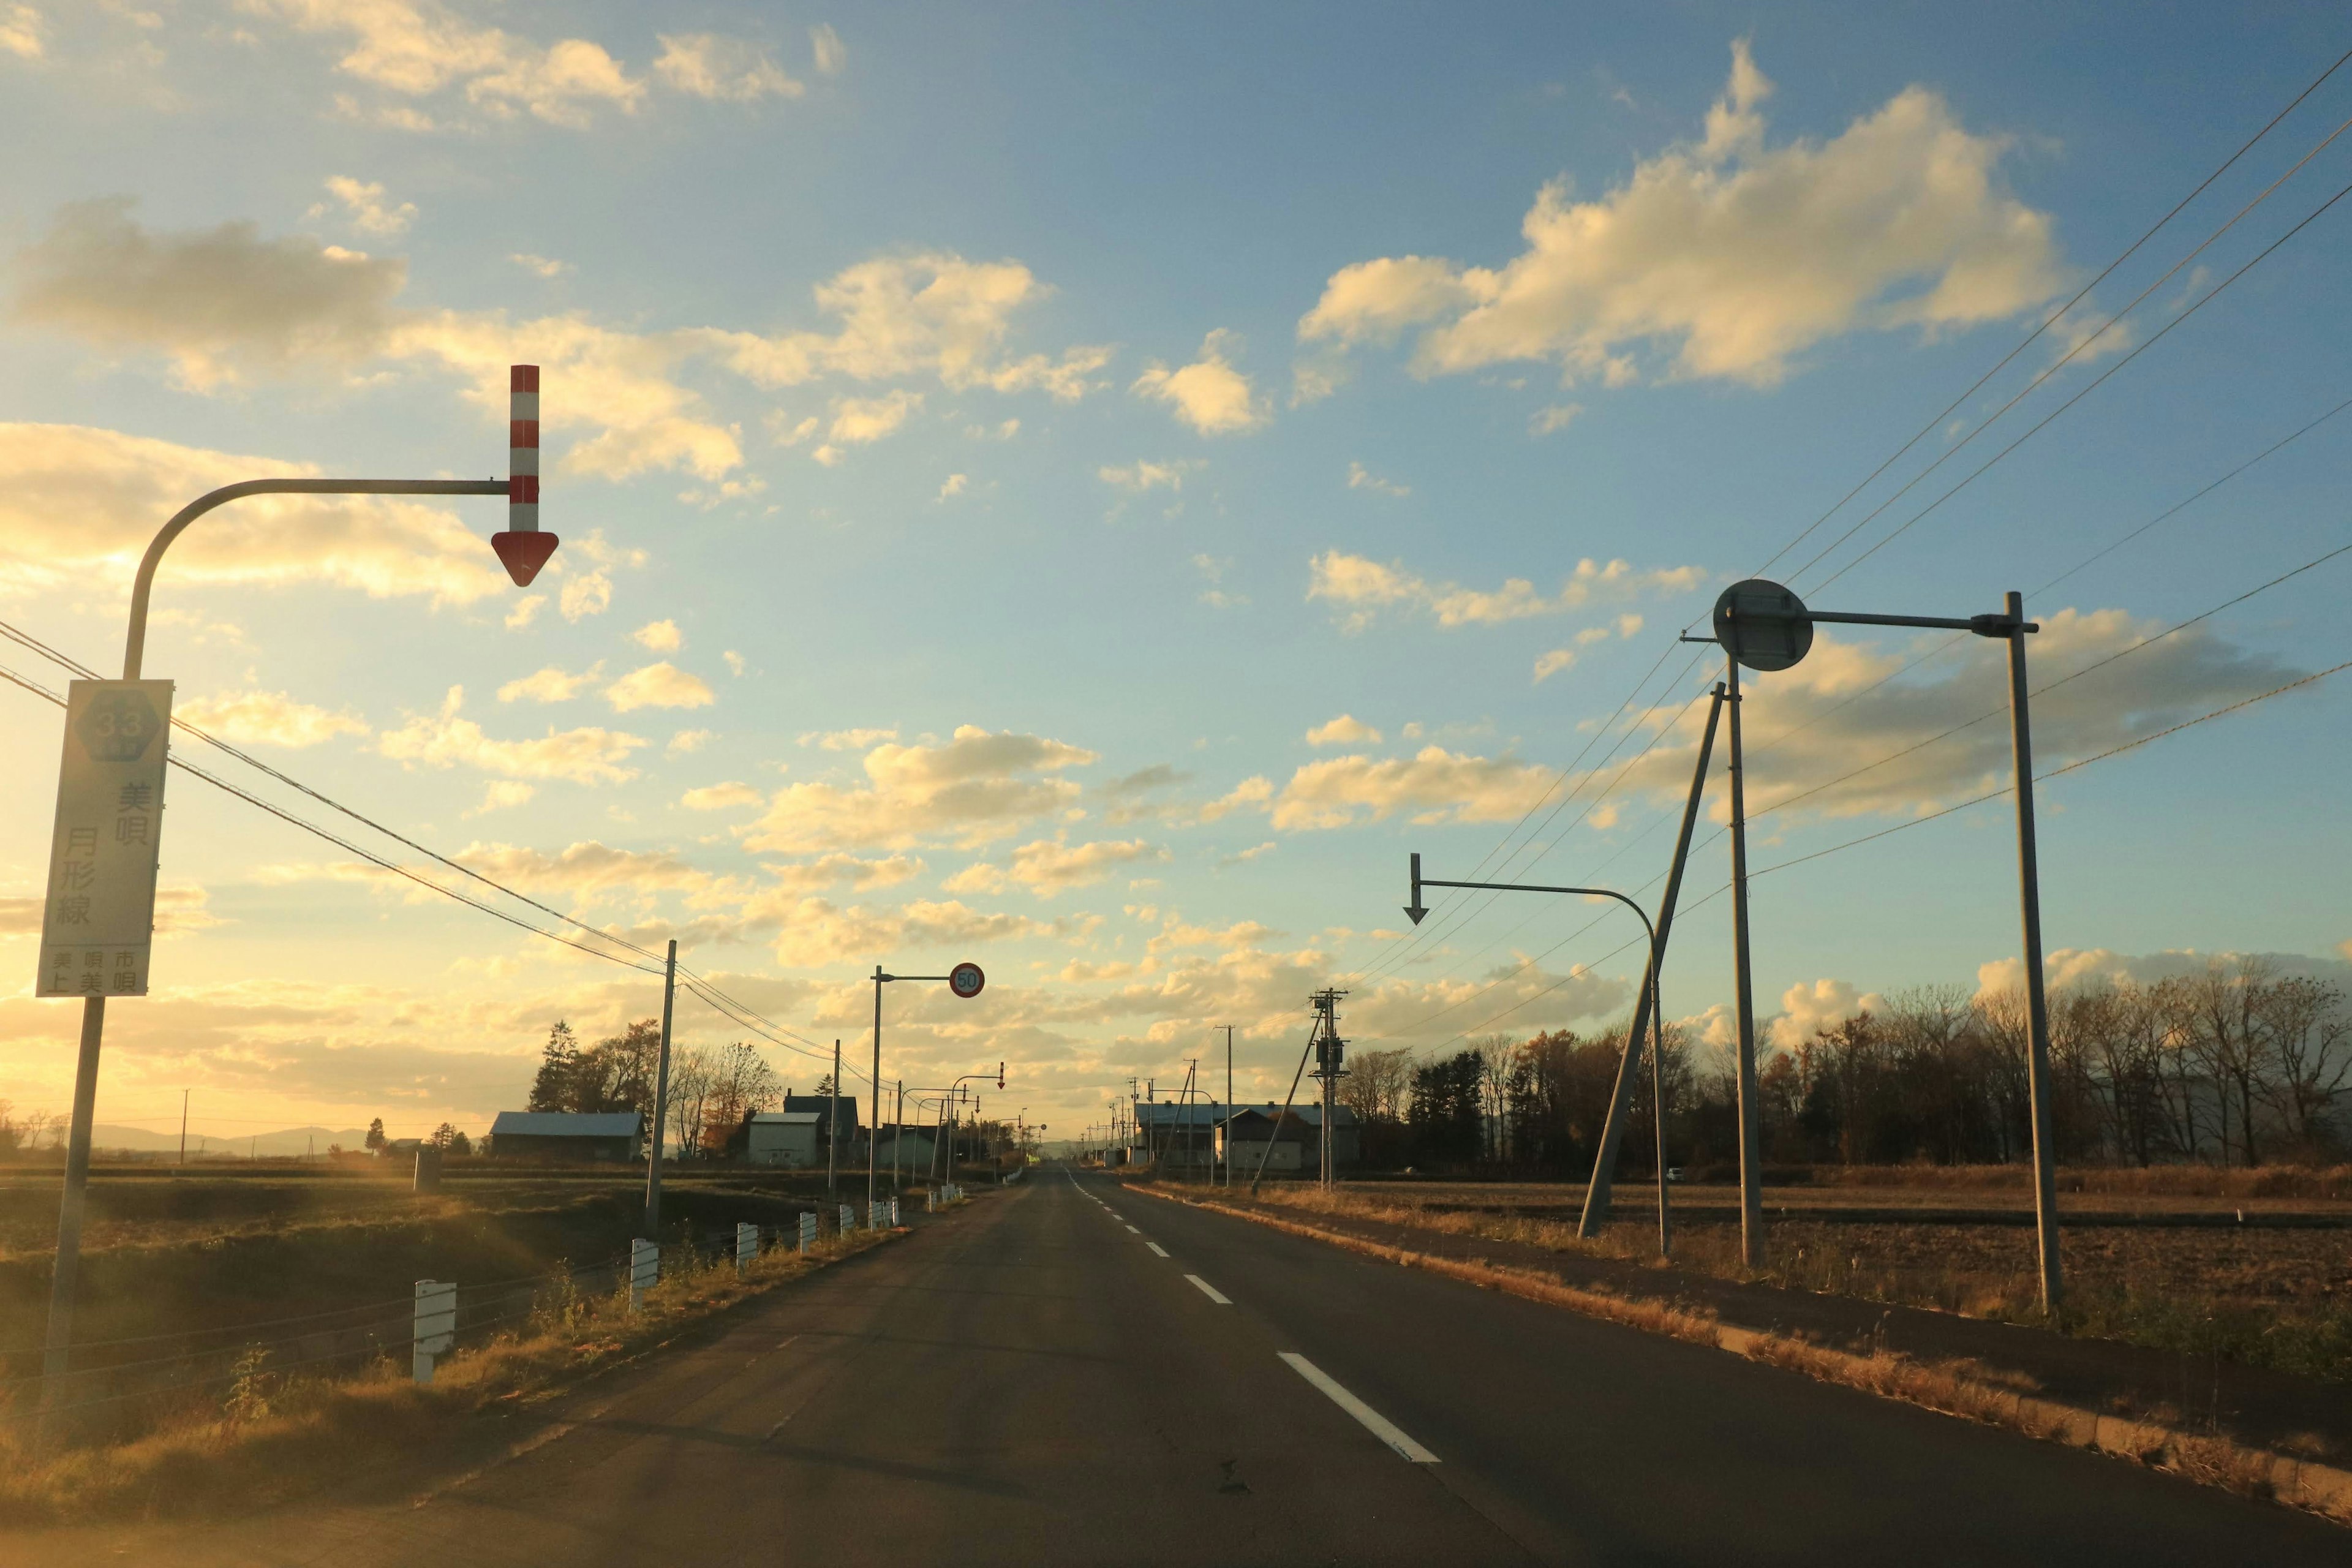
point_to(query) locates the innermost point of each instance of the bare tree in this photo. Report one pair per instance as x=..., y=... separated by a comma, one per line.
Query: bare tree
x=691, y=1076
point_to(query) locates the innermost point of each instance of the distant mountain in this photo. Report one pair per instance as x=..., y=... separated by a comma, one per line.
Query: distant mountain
x=289, y=1141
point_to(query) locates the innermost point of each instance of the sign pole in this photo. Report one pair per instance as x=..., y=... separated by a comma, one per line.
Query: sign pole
x=1751, y=1110
x=661, y=1102
x=2037, y=1005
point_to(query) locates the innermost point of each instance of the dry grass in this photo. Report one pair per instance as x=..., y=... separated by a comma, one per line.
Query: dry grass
x=271, y=1438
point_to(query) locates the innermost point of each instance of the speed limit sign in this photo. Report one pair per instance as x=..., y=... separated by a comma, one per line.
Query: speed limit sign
x=965, y=980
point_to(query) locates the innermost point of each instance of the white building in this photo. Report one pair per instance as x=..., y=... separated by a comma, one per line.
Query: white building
x=787, y=1138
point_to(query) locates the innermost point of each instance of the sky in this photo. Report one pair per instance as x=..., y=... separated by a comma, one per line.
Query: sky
x=1088, y=490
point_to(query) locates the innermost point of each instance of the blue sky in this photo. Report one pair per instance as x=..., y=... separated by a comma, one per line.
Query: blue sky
x=988, y=444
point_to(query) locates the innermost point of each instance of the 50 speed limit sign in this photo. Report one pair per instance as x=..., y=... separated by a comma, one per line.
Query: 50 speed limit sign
x=966, y=980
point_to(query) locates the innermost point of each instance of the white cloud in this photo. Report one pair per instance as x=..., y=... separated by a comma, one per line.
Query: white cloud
x=1209, y=394
x=550, y=684
x=589, y=593
x=1435, y=784
x=976, y=787
x=368, y=208
x=817, y=934
x=688, y=741
x=728, y=70
x=1557, y=417
x=1806, y=1010
x=1629, y=626
x=1256, y=852
x=659, y=637
x=846, y=740
x=1362, y=478
x=500, y=794
x=830, y=52
x=20, y=33
x=1214, y=568
x=78, y=505
x=418, y=48
x=1250, y=795
x=952, y=486
x=585, y=756
x=1365, y=586
x=735, y=665
x=860, y=421
x=1140, y=475
x=1048, y=867
x=1550, y=664
x=720, y=797
x=267, y=717
x=1347, y=730
x=526, y=610
x=661, y=685
x=540, y=266
x=1731, y=254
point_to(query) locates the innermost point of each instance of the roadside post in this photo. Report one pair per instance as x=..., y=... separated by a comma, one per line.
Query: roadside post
x=435, y=1327
x=848, y=1219
x=645, y=1270
x=1764, y=626
x=808, y=1232
x=98, y=925
x=747, y=1246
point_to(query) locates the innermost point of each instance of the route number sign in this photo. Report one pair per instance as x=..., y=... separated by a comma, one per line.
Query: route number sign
x=98, y=924
x=965, y=980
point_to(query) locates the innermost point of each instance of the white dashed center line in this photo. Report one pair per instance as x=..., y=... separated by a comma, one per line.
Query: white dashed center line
x=1132, y=1231
x=1378, y=1425
x=1211, y=1292
x=1156, y=1247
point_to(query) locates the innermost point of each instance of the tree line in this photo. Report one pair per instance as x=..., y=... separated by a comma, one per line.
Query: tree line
x=2235, y=1065
x=711, y=1091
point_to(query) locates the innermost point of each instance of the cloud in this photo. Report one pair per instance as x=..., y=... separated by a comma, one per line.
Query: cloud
x=1360, y=478
x=734, y=662
x=207, y=298
x=367, y=207
x=659, y=637
x=20, y=33
x=976, y=787
x=1140, y=475
x=830, y=52
x=526, y=610
x=550, y=684
x=688, y=741
x=1048, y=867
x=1830, y=715
x=861, y=421
x=1347, y=730
x=1365, y=586
x=1729, y=256
x=1436, y=784
x=1242, y=857
x=418, y=49
x=1806, y=1010
x=78, y=505
x=661, y=685
x=500, y=794
x=1557, y=417
x=1209, y=394
x=267, y=719
x=816, y=934
x=540, y=266
x=954, y=486
x=1250, y=795
x=589, y=593
x=846, y=740
x=583, y=757
x=1214, y=569
x=1550, y=664
x=720, y=797
x=729, y=70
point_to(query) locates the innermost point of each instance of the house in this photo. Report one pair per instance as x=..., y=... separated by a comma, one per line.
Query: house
x=787, y=1138
x=568, y=1135
x=910, y=1148
x=1296, y=1139
x=846, y=1126
x=1180, y=1135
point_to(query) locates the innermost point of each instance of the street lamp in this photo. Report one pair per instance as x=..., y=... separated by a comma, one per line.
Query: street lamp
x=966, y=981
x=1649, y=999
x=116, y=722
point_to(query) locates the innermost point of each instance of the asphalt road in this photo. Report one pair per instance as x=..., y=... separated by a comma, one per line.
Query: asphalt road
x=1073, y=1375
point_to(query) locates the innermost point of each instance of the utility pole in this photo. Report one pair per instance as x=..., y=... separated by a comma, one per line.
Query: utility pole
x=2037, y=1005
x=184, y=1127
x=661, y=1102
x=833, y=1124
x=897, y=1134
x=1330, y=1048
x=1752, y=1107
x=1227, y=1142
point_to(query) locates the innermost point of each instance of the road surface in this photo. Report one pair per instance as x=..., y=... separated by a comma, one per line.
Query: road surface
x=1070, y=1373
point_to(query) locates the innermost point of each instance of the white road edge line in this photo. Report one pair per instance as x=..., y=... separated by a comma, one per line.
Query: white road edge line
x=1132, y=1231
x=1156, y=1247
x=1211, y=1292
x=1378, y=1425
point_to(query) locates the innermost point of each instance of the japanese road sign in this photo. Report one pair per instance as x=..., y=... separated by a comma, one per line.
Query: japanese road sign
x=965, y=980
x=100, y=921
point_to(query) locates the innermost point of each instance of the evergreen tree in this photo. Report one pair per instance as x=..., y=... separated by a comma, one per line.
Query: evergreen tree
x=375, y=1137
x=557, y=1086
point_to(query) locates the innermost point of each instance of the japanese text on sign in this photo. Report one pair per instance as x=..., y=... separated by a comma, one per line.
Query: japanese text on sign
x=100, y=923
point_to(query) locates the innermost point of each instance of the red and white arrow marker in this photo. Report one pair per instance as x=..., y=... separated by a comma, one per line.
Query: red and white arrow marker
x=523, y=547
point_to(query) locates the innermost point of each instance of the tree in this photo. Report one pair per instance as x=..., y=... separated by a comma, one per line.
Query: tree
x=556, y=1086
x=1448, y=1104
x=375, y=1137
x=741, y=1083
x=690, y=1098
x=459, y=1143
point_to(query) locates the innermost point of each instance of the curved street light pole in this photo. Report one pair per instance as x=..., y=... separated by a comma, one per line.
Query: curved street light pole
x=1649, y=993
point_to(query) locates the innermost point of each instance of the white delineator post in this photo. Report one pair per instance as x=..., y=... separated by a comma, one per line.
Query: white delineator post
x=747, y=1246
x=436, y=1326
x=644, y=1268
x=848, y=1219
x=808, y=1232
